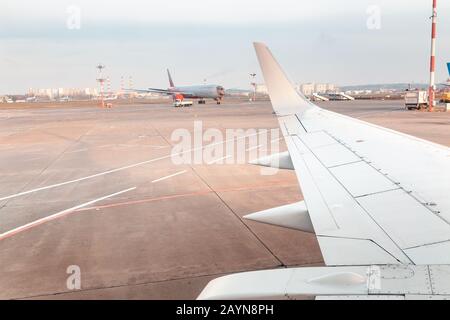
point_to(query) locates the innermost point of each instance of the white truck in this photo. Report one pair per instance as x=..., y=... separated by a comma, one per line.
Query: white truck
x=182, y=103
x=416, y=99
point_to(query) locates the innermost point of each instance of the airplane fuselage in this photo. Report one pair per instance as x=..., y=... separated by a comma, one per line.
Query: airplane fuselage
x=201, y=92
x=215, y=92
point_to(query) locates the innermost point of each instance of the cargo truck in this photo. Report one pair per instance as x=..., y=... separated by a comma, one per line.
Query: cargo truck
x=416, y=99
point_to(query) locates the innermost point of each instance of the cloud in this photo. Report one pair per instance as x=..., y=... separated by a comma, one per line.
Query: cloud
x=199, y=11
x=321, y=40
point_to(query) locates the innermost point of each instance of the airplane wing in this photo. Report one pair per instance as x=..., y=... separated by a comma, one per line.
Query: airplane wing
x=376, y=199
x=163, y=91
x=149, y=90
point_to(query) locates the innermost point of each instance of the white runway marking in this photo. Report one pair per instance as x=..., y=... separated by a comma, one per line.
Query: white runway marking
x=253, y=148
x=169, y=176
x=35, y=158
x=259, y=146
x=76, y=151
x=57, y=215
x=217, y=160
x=81, y=179
x=113, y=170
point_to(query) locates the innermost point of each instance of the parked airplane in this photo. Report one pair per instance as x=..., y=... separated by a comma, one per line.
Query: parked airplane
x=447, y=83
x=201, y=92
x=376, y=199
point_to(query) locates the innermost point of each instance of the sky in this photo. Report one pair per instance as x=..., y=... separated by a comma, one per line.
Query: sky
x=51, y=44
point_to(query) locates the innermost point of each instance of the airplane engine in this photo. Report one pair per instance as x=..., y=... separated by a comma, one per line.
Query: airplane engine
x=178, y=96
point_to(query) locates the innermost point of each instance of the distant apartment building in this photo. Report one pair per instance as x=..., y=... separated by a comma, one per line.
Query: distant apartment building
x=261, y=88
x=56, y=93
x=309, y=88
x=332, y=87
x=321, y=88
x=306, y=88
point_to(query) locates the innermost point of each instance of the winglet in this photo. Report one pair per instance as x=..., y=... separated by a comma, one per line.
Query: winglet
x=170, y=79
x=285, y=99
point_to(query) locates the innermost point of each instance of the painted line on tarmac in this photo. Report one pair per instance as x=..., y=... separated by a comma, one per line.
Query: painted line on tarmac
x=253, y=148
x=259, y=146
x=169, y=176
x=273, y=184
x=57, y=215
x=115, y=170
x=217, y=160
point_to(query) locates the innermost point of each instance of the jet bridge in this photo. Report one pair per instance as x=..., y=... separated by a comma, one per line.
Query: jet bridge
x=319, y=97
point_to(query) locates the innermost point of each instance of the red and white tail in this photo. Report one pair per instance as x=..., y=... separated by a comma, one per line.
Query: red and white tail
x=170, y=79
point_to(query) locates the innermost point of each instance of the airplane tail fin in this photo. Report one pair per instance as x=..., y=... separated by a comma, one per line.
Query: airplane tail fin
x=448, y=67
x=170, y=79
x=285, y=99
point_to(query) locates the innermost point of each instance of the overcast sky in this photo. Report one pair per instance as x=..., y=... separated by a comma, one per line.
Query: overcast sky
x=343, y=42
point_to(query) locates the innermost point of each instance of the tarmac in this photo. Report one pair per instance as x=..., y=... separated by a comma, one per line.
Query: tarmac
x=97, y=189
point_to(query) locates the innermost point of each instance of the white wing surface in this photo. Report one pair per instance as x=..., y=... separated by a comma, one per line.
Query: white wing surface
x=374, y=195
x=377, y=200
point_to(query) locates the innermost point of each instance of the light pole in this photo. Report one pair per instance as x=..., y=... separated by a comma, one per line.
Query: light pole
x=253, y=83
x=101, y=80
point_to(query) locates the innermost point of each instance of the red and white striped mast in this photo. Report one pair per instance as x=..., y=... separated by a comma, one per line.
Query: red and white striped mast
x=431, y=89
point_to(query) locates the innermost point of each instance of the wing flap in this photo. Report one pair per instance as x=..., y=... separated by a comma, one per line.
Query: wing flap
x=360, y=179
x=367, y=251
x=408, y=222
x=355, y=201
x=335, y=155
x=436, y=253
x=335, y=212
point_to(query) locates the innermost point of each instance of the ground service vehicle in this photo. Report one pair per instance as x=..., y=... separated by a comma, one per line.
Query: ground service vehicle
x=182, y=103
x=416, y=99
